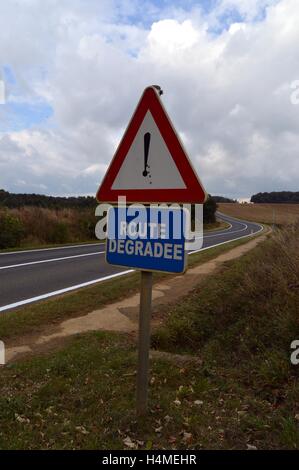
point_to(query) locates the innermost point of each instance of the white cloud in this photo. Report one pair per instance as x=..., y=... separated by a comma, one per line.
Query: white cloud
x=170, y=36
x=228, y=94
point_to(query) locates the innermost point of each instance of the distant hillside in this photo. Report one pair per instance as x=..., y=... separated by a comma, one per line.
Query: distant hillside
x=276, y=197
x=14, y=201
x=17, y=201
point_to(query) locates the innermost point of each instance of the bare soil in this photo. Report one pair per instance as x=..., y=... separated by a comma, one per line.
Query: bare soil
x=280, y=214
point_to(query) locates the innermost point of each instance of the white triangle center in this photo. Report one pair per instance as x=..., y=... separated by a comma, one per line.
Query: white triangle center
x=158, y=171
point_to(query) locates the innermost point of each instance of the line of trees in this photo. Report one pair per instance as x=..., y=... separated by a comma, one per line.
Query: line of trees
x=17, y=201
x=223, y=199
x=12, y=200
x=276, y=197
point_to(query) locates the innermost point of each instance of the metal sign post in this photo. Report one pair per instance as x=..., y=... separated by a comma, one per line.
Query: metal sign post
x=144, y=341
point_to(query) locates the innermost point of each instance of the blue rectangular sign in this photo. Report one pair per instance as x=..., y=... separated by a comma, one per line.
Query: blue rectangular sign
x=150, y=239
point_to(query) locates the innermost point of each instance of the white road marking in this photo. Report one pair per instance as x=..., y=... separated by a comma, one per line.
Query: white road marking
x=228, y=241
x=30, y=263
x=82, y=245
x=62, y=291
x=228, y=233
x=51, y=260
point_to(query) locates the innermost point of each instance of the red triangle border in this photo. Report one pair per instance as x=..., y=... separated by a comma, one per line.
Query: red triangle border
x=194, y=191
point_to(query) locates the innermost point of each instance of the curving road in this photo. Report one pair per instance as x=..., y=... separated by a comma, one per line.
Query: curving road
x=32, y=275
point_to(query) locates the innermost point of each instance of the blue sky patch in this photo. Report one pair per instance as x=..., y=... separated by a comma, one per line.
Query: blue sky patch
x=226, y=20
x=19, y=116
x=155, y=10
x=16, y=114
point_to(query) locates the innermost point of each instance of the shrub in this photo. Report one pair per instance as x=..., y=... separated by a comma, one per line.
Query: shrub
x=58, y=233
x=11, y=230
x=209, y=211
x=85, y=225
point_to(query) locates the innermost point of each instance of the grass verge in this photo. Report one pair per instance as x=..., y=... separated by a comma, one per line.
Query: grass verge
x=244, y=394
x=241, y=323
x=218, y=225
x=84, y=398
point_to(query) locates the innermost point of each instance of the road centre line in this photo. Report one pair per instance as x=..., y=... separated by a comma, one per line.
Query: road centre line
x=228, y=241
x=50, y=260
x=228, y=233
x=82, y=245
x=30, y=263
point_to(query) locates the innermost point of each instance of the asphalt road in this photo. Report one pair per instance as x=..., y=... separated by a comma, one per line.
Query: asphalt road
x=32, y=275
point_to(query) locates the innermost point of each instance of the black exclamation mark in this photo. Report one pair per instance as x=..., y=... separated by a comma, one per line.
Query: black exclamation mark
x=147, y=141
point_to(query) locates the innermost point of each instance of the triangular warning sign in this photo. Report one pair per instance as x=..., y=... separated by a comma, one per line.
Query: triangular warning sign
x=150, y=164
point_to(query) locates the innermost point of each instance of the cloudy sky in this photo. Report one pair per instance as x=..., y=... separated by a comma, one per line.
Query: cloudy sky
x=74, y=71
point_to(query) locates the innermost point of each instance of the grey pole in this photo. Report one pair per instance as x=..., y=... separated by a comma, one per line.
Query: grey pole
x=144, y=341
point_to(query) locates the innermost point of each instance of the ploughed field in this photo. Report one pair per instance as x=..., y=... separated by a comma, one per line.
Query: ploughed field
x=281, y=214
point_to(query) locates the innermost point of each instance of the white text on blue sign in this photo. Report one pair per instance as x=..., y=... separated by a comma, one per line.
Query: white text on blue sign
x=150, y=239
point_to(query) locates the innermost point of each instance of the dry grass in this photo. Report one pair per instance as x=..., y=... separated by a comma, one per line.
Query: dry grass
x=281, y=214
x=41, y=225
x=242, y=322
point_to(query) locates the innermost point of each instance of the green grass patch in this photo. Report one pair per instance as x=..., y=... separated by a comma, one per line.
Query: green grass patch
x=83, y=397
